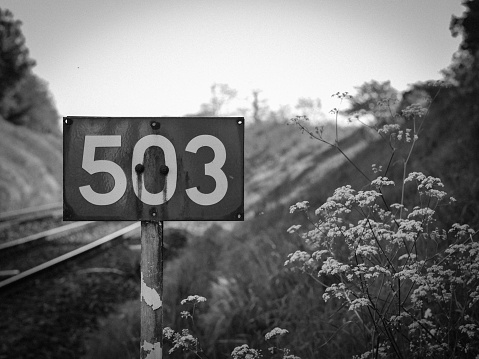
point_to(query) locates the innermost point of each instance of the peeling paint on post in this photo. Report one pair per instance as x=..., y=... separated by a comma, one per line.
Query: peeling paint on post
x=152, y=351
x=150, y=295
x=151, y=290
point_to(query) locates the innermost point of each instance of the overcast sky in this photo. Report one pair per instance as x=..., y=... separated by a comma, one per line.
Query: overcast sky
x=160, y=57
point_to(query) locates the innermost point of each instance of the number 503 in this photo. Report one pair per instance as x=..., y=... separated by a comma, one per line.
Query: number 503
x=212, y=169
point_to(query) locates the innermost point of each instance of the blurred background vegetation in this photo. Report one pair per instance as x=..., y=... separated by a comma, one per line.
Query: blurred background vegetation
x=240, y=269
x=30, y=147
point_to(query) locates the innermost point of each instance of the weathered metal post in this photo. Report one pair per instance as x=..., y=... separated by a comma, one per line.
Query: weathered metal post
x=151, y=343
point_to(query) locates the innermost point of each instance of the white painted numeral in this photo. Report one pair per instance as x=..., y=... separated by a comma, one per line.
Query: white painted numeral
x=93, y=166
x=212, y=169
x=139, y=150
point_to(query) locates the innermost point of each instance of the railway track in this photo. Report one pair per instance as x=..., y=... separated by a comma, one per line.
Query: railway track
x=27, y=256
x=41, y=235
x=48, y=311
x=49, y=315
x=8, y=219
x=68, y=256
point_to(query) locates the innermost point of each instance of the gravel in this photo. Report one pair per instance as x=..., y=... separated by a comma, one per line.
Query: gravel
x=20, y=230
x=52, y=315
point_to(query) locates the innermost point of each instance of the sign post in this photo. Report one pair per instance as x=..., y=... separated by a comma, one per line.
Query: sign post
x=151, y=340
x=153, y=170
x=151, y=263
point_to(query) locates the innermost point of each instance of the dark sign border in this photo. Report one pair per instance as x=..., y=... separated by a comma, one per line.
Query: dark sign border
x=136, y=127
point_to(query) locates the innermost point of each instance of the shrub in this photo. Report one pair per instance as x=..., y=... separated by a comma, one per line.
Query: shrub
x=412, y=286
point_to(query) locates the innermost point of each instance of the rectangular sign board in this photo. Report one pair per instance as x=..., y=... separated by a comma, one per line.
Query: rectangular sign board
x=153, y=168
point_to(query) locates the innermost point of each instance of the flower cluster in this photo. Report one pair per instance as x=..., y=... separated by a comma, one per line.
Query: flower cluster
x=183, y=340
x=300, y=259
x=294, y=228
x=381, y=182
x=388, y=129
x=413, y=111
x=389, y=271
x=342, y=95
x=406, y=134
x=300, y=206
x=397, y=135
x=245, y=352
x=427, y=185
x=193, y=299
x=376, y=168
x=276, y=332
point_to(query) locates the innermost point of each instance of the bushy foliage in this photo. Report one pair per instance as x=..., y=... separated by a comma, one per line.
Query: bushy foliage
x=373, y=98
x=24, y=97
x=414, y=295
x=467, y=25
x=412, y=285
x=397, y=280
x=30, y=104
x=185, y=341
x=14, y=58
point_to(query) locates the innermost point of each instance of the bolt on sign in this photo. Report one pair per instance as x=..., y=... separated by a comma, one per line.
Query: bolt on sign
x=153, y=169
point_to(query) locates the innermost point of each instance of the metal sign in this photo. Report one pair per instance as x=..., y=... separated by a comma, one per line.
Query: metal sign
x=153, y=169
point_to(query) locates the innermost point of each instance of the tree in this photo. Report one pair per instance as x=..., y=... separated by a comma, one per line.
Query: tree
x=14, y=57
x=31, y=105
x=24, y=97
x=260, y=107
x=468, y=26
x=282, y=114
x=309, y=107
x=464, y=70
x=376, y=98
x=221, y=94
x=256, y=106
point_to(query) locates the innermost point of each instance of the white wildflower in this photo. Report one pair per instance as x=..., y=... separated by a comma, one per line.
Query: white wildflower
x=358, y=303
x=300, y=206
x=382, y=181
x=293, y=228
x=184, y=341
x=193, y=298
x=168, y=332
x=245, y=352
x=428, y=313
x=185, y=314
x=276, y=332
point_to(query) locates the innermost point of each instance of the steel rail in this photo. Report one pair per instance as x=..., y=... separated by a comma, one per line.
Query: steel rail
x=67, y=256
x=43, y=235
x=7, y=216
x=8, y=219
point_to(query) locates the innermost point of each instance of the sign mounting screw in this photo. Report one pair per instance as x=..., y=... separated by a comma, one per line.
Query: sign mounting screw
x=139, y=168
x=164, y=170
